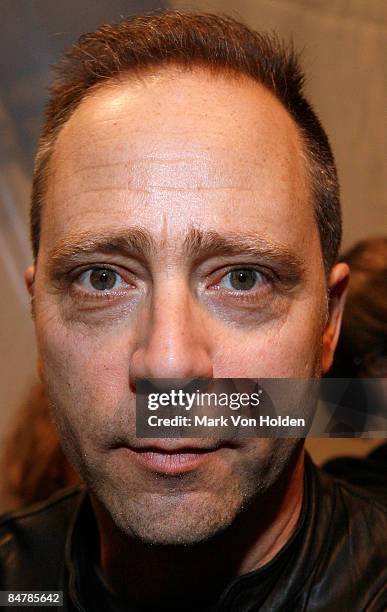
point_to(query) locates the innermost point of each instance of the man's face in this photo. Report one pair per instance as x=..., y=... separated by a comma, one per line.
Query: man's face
x=160, y=189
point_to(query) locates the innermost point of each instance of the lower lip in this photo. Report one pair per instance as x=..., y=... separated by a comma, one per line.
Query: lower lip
x=170, y=463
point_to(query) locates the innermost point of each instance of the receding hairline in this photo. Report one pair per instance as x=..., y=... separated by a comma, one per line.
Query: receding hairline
x=170, y=71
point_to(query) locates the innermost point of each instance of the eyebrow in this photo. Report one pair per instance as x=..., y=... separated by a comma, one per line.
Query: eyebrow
x=289, y=265
x=135, y=242
x=197, y=245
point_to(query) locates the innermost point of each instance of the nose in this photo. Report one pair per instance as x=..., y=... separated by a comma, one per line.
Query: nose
x=172, y=339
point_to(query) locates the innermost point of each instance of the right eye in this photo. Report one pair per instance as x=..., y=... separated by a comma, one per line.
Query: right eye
x=100, y=279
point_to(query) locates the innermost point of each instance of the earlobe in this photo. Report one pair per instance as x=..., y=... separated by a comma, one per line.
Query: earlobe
x=29, y=277
x=337, y=287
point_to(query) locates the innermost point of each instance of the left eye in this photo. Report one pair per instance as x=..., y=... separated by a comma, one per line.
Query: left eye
x=100, y=279
x=242, y=279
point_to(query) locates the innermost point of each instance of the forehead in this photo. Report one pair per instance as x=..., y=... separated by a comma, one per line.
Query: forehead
x=179, y=148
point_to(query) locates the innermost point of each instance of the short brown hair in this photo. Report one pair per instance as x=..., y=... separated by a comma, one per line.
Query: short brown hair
x=217, y=42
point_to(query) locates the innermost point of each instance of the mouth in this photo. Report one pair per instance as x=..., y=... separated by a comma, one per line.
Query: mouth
x=171, y=461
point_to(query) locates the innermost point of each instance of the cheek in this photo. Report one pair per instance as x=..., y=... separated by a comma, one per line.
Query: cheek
x=289, y=347
x=87, y=374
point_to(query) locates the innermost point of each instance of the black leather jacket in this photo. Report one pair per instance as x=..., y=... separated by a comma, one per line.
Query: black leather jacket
x=336, y=560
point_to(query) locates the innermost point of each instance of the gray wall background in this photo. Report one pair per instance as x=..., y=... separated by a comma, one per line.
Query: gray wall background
x=343, y=43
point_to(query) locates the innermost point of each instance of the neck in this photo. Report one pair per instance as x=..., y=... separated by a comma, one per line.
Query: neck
x=170, y=573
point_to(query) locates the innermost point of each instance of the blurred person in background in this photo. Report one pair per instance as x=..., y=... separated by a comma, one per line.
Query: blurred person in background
x=362, y=351
x=362, y=347
x=33, y=465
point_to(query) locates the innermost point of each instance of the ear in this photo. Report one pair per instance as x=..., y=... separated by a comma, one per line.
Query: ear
x=29, y=277
x=337, y=291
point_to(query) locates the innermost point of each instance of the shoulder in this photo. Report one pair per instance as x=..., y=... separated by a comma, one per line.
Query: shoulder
x=355, y=512
x=57, y=510
x=368, y=472
x=33, y=540
x=352, y=528
x=354, y=498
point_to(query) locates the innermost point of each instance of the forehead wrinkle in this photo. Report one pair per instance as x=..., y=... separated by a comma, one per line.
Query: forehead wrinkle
x=146, y=174
x=132, y=160
x=152, y=189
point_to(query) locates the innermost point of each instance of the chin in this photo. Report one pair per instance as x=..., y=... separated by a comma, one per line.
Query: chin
x=173, y=519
